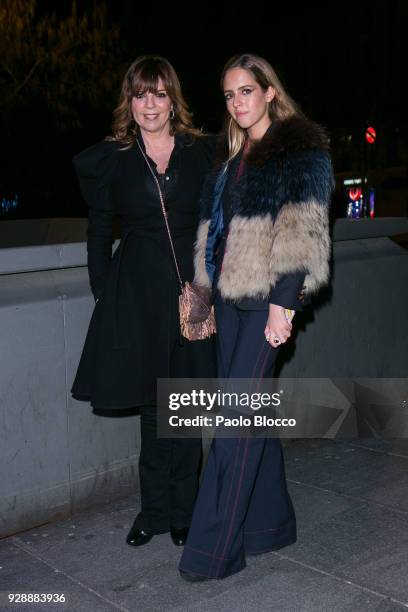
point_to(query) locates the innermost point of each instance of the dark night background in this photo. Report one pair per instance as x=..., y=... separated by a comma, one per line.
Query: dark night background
x=342, y=61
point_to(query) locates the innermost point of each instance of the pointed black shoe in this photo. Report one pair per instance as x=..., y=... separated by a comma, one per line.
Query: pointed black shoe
x=138, y=537
x=190, y=577
x=179, y=536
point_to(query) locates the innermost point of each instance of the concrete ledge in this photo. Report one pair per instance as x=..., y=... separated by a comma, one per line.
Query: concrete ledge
x=24, y=509
x=44, y=256
x=356, y=229
x=58, y=457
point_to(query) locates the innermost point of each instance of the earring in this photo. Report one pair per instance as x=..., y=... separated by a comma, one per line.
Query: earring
x=171, y=115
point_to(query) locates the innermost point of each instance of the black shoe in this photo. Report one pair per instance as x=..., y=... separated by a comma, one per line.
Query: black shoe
x=179, y=536
x=138, y=537
x=190, y=577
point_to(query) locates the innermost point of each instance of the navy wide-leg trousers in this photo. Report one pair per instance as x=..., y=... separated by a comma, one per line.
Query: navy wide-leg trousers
x=243, y=505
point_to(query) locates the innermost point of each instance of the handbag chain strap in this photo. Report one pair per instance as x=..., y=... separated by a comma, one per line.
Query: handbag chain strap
x=163, y=210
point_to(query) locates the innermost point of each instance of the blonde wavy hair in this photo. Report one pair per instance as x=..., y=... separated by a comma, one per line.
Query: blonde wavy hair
x=281, y=106
x=143, y=75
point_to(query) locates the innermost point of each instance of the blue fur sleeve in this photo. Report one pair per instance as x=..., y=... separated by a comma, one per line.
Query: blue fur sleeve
x=308, y=175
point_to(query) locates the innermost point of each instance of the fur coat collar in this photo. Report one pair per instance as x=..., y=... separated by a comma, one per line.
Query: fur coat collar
x=284, y=136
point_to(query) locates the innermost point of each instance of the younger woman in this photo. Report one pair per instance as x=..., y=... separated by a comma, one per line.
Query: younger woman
x=262, y=245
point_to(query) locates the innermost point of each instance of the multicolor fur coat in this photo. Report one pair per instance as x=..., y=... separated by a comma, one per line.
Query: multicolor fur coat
x=280, y=221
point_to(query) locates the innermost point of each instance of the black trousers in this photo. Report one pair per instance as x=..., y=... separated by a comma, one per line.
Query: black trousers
x=243, y=506
x=168, y=473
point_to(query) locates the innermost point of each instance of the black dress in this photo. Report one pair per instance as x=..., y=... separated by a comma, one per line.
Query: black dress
x=134, y=334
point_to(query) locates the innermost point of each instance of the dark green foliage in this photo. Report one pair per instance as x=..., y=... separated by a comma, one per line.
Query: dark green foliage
x=59, y=81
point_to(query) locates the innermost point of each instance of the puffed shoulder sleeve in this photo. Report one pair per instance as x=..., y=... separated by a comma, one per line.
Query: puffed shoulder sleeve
x=95, y=168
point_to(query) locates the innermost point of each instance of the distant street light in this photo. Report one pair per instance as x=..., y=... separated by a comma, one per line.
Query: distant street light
x=370, y=135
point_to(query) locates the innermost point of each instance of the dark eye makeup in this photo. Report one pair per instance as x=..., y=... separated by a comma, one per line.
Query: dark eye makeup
x=158, y=94
x=246, y=91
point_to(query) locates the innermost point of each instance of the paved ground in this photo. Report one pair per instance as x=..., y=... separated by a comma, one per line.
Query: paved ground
x=351, y=500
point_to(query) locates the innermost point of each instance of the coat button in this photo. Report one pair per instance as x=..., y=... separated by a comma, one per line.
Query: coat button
x=167, y=178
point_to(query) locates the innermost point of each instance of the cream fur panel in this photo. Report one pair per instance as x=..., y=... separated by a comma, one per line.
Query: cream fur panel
x=245, y=270
x=302, y=242
x=259, y=251
x=200, y=275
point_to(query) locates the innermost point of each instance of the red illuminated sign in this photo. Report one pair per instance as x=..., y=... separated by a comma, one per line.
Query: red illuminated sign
x=370, y=135
x=355, y=193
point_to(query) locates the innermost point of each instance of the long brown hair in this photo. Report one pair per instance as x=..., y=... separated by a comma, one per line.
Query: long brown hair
x=281, y=106
x=143, y=75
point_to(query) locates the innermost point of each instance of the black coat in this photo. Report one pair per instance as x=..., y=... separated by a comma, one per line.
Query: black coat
x=134, y=335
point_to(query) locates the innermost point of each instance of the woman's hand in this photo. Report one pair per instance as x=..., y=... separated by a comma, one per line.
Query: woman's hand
x=278, y=328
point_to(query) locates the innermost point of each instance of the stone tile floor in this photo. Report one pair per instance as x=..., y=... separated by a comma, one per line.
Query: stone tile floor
x=351, y=502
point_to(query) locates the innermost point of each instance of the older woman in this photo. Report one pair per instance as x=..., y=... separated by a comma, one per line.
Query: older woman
x=134, y=334
x=263, y=244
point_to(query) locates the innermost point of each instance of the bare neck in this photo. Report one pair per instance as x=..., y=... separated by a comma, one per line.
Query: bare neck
x=157, y=140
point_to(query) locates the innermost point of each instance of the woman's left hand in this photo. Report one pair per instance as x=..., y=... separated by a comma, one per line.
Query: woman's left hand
x=278, y=329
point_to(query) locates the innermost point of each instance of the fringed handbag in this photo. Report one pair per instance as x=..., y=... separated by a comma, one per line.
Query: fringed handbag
x=197, y=320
